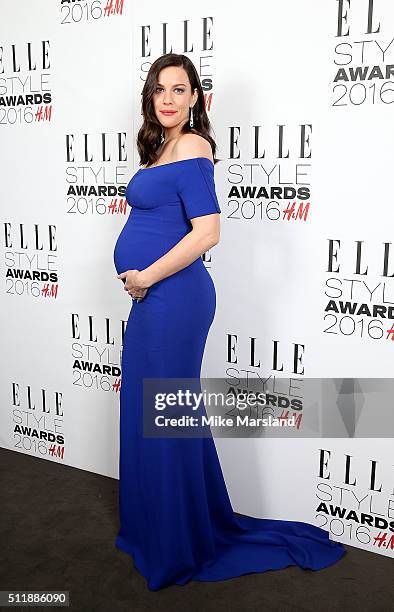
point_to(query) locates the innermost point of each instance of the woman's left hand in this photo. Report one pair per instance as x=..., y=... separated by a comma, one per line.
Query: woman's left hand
x=135, y=283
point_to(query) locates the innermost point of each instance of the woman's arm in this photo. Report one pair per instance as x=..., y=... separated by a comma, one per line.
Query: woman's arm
x=204, y=235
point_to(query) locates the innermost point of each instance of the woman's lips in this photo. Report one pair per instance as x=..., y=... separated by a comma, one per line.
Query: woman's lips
x=168, y=112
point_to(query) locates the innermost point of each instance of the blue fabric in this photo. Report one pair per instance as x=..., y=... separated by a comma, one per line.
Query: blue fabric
x=176, y=518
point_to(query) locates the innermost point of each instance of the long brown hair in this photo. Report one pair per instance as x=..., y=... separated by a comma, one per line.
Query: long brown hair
x=149, y=135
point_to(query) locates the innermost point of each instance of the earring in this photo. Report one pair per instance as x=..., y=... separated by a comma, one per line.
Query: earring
x=191, y=117
x=162, y=136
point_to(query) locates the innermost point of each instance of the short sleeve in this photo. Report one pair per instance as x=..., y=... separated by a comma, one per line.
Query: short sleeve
x=196, y=188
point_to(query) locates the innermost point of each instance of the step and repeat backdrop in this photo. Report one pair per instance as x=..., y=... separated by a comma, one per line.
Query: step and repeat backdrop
x=300, y=96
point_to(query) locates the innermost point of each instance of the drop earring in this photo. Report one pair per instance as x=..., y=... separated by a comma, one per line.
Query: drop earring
x=162, y=136
x=191, y=123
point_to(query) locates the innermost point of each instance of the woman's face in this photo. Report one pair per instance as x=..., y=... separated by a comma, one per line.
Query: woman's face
x=173, y=93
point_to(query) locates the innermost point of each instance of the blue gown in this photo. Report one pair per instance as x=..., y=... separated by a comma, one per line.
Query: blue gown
x=176, y=518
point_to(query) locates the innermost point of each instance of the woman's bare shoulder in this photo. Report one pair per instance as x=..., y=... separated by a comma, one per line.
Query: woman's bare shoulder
x=192, y=145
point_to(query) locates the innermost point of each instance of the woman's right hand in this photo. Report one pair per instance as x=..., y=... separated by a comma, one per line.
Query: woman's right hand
x=139, y=295
x=133, y=288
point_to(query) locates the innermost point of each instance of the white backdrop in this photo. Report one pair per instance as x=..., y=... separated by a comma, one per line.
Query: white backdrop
x=295, y=104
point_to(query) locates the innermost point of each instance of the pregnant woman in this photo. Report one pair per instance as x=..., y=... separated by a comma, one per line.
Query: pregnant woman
x=176, y=518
